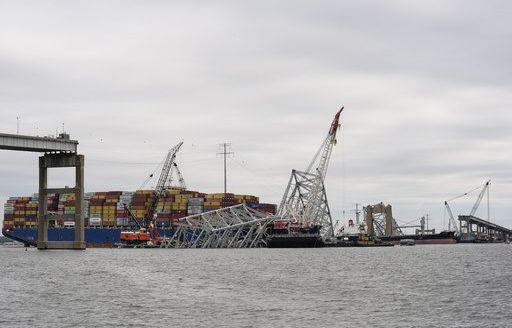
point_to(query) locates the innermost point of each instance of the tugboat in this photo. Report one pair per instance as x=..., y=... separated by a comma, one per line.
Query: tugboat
x=354, y=236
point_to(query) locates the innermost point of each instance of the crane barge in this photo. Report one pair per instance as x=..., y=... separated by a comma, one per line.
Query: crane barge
x=148, y=231
x=303, y=217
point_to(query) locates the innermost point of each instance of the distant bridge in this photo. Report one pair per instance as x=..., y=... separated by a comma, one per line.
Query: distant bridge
x=481, y=228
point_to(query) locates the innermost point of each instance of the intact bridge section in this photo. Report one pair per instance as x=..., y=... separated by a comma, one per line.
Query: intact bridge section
x=474, y=229
x=59, y=152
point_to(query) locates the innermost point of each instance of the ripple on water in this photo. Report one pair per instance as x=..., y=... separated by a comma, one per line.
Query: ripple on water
x=422, y=286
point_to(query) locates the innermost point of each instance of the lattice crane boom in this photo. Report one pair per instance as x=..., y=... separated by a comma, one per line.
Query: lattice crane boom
x=305, y=198
x=480, y=197
x=323, y=155
x=164, y=175
x=451, y=219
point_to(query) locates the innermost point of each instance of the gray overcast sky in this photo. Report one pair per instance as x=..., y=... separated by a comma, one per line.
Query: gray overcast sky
x=426, y=86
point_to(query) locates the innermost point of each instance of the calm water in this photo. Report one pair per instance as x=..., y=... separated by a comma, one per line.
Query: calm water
x=420, y=286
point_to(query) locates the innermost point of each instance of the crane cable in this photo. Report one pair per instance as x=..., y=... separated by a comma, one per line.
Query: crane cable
x=466, y=193
x=152, y=174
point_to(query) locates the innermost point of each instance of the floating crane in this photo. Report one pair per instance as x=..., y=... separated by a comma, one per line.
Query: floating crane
x=148, y=229
x=305, y=199
x=239, y=226
x=452, y=223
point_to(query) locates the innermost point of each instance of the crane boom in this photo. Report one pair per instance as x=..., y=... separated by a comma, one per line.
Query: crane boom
x=323, y=154
x=480, y=197
x=160, y=186
x=451, y=220
x=305, y=198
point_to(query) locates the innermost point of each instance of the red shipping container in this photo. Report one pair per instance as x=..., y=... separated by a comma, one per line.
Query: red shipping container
x=281, y=224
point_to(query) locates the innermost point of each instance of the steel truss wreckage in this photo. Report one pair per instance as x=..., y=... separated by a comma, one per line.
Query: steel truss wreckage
x=239, y=226
x=232, y=227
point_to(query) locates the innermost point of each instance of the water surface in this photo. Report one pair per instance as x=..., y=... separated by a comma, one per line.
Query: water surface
x=420, y=286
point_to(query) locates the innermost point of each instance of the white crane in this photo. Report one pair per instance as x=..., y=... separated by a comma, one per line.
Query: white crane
x=305, y=199
x=452, y=223
x=479, y=199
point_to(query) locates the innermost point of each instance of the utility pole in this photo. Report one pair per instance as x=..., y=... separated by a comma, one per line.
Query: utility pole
x=225, y=153
x=17, y=125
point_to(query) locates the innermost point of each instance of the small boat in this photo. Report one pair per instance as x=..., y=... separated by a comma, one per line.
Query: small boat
x=407, y=242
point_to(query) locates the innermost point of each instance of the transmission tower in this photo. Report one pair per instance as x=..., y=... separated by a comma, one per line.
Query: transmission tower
x=225, y=146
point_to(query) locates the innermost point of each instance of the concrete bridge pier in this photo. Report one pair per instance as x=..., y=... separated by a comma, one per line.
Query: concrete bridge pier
x=56, y=160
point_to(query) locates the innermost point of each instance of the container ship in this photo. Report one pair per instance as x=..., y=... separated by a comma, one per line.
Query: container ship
x=107, y=218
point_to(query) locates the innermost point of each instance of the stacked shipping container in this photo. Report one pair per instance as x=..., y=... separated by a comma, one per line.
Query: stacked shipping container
x=107, y=208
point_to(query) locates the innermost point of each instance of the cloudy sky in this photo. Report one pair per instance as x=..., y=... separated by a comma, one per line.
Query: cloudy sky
x=426, y=87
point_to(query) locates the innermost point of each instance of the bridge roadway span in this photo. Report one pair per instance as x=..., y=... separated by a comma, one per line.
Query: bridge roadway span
x=37, y=144
x=467, y=224
x=58, y=152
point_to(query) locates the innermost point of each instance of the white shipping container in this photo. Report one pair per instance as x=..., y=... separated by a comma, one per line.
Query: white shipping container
x=196, y=201
x=95, y=220
x=122, y=221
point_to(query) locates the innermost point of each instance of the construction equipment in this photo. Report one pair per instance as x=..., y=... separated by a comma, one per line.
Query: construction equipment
x=161, y=184
x=305, y=200
x=239, y=226
x=479, y=199
x=452, y=223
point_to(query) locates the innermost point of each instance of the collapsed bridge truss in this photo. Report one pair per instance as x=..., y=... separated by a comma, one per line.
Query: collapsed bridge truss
x=232, y=227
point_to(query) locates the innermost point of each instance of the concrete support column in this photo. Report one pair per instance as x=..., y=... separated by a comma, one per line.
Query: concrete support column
x=42, y=223
x=79, y=205
x=369, y=221
x=389, y=220
x=53, y=161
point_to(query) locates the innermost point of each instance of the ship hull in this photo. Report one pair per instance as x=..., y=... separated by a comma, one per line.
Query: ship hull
x=444, y=237
x=94, y=237
x=295, y=241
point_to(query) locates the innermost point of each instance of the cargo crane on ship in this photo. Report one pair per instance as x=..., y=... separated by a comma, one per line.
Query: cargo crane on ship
x=304, y=208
